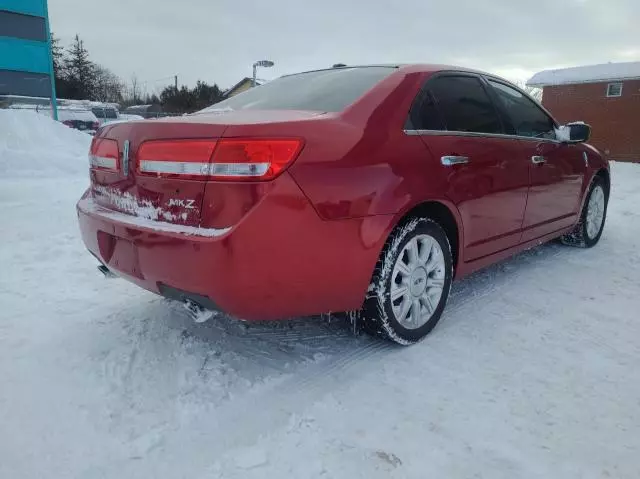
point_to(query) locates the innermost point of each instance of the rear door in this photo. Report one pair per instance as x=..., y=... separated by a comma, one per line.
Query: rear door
x=557, y=169
x=487, y=173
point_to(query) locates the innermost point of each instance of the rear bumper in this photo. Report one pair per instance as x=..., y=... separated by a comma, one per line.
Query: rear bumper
x=280, y=260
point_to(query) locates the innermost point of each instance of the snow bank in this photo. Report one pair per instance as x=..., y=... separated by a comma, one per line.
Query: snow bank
x=33, y=145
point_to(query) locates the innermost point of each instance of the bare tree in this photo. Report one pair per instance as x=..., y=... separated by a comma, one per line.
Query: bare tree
x=135, y=88
x=534, y=92
x=108, y=87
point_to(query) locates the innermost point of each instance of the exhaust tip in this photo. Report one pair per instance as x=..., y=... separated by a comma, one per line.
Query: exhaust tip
x=106, y=272
x=198, y=313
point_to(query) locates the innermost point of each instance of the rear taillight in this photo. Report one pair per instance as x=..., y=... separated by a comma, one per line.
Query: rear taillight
x=95, y=125
x=104, y=154
x=261, y=159
x=187, y=159
x=226, y=159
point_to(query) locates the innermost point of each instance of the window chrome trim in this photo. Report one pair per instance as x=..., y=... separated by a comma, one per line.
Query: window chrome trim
x=476, y=135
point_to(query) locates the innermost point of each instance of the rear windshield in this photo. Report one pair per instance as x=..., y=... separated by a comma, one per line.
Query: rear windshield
x=105, y=113
x=325, y=90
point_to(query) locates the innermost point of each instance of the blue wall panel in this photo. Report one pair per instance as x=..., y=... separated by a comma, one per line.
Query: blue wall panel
x=30, y=7
x=24, y=55
x=25, y=50
x=27, y=27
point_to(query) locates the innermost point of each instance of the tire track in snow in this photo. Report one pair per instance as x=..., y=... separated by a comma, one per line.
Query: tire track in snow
x=261, y=410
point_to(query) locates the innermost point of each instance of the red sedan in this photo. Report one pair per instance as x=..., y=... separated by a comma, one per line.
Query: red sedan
x=362, y=189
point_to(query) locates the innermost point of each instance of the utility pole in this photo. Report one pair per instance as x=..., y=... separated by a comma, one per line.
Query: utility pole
x=175, y=78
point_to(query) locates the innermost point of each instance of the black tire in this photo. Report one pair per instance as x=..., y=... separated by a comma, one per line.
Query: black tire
x=377, y=317
x=579, y=237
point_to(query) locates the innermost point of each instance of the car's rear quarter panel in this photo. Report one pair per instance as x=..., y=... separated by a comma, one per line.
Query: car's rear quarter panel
x=380, y=171
x=366, y=165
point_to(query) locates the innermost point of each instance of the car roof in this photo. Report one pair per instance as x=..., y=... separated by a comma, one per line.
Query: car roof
x=408, y=68
x=435, y=68
x=76, y=114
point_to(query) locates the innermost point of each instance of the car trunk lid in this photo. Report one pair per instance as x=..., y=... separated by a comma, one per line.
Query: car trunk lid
x=136, y=190
x=127, y=190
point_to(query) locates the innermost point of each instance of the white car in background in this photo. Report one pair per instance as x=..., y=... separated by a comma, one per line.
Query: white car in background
x=105, y=114
x=129, y=117
x=79, y=119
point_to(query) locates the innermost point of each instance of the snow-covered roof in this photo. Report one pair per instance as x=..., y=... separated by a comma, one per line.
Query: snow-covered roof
x=586, y=74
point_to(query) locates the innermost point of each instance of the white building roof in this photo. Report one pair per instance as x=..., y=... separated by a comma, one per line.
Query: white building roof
x=586, y=74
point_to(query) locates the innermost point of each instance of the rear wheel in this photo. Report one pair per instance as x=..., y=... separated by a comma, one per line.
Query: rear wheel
x=411, y=283
x=589, y=229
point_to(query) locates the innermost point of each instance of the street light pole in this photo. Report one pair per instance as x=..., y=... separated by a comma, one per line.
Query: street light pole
x=261, y=63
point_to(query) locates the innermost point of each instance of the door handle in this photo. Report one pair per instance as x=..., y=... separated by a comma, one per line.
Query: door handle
x=537, y=160
x=454, y=160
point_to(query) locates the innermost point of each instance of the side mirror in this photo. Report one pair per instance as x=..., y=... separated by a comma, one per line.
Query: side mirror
x=578, y=132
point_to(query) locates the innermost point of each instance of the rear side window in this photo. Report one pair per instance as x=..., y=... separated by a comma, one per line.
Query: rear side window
x=424, y=114
x=528, y=118
x=464, y=104
x=325, y=90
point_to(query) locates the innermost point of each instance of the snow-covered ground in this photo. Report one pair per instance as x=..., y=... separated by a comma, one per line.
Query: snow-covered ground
x=532, y=373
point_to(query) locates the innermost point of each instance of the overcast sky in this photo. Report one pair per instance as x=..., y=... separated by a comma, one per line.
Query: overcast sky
x=218, y=40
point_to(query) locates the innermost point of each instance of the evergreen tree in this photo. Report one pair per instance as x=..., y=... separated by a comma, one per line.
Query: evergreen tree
x=59, y=56
x=78, y=78
x=186, y=100
x=80, y=71
x=57, y=52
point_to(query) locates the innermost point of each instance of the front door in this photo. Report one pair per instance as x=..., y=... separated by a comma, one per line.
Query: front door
x=557, y=174
x=557, y=170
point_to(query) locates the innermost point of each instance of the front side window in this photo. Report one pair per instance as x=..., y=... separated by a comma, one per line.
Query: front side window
x=464, y=104
x=528, y=118
x=614, y=89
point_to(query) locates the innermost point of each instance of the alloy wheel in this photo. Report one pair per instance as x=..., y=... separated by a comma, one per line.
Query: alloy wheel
x=595, y=212
x=417, y=281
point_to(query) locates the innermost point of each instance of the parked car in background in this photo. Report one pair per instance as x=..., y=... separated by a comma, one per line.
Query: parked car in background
x=80, y=119
x=128, y=117
x=105, y=114
x=362, y=189
x=146, y=111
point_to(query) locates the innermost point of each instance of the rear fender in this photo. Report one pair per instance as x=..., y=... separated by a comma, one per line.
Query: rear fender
x=421, y=209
